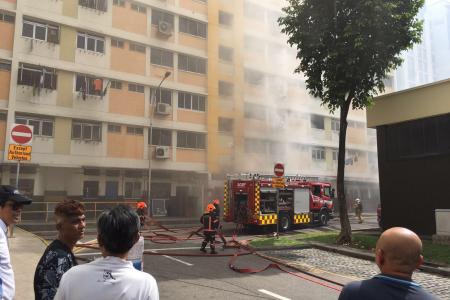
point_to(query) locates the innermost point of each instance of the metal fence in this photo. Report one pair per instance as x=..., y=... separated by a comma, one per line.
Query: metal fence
x=43, y=211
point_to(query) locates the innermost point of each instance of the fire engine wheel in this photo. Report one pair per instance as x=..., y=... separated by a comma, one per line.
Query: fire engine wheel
x=323, y=218
x=285, y=222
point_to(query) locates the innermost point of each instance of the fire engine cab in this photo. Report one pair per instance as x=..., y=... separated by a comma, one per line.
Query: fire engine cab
x=252, y=200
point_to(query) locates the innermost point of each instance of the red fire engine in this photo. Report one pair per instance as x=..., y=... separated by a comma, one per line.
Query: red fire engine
x=253, y=200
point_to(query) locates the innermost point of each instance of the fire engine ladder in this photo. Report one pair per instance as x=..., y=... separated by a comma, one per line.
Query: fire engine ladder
x=256, y=176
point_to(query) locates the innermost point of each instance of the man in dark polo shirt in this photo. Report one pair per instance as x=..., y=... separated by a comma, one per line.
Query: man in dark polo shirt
x=397, y=254
x=58, y=258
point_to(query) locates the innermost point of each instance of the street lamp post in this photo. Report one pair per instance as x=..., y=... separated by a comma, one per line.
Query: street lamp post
x=150, y=158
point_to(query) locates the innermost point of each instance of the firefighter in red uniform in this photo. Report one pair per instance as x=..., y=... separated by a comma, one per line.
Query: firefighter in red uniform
x=210, y=224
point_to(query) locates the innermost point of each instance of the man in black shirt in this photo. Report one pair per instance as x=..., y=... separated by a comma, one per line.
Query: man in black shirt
x=397, y=254
x=58, y=257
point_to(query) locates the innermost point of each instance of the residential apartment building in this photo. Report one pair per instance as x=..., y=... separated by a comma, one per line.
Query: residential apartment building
x=263, y=113
x=82, y=72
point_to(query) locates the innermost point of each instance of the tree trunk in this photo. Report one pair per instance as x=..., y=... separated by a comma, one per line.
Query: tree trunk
x=345, y=236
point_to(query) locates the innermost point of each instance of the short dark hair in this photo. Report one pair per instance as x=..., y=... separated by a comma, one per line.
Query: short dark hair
x=118, y=229
x=69, y=208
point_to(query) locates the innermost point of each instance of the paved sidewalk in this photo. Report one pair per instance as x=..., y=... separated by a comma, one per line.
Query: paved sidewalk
x=26, y=249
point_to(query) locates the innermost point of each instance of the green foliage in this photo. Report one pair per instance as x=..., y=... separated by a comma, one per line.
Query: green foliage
x=347, y=47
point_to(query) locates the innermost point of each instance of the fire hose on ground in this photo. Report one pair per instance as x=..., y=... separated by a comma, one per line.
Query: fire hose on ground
x=241, y=250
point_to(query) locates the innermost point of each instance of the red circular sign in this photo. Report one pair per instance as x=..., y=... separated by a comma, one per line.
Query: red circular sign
x=278, y=169
x=21, y=134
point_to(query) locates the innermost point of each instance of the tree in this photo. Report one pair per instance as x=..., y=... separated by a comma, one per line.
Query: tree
x=346, y=48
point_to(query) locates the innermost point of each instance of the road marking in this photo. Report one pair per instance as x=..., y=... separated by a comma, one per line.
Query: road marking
x=273, y=294
x=165, y=249
x=178, y=260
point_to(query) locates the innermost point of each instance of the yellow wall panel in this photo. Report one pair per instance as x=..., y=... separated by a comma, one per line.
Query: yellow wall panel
x=129, y=20
x=63, y=133
x=192, y=78
x=5, y=79
x=127, y=61
x=65, y=89
x=67, y=45
x=159, y=71
x=191, y=155
x=191, y=116
x=126, y=103
x=70, y=8
x=192, y=41
x=7, y=36
x=193, y=5
x=2, y=134
x=134, y=145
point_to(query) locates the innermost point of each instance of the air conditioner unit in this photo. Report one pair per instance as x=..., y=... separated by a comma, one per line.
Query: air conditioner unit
x=165, y=28
x=163, y=109
x=162, y=152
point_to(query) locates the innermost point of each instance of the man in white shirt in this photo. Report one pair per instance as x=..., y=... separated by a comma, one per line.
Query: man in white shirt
x=11, y=205
x=112, y=276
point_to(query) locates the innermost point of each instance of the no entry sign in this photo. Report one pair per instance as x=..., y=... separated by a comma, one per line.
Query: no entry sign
x=278, y=170
x=21, y=134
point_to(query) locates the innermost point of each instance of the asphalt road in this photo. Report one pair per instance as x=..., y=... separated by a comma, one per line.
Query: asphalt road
x=186, y=277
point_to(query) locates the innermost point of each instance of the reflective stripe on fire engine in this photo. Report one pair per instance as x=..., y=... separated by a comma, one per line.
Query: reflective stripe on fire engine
x=257, y=193
x=267, y=219
x=302, y=218
x=225, y=199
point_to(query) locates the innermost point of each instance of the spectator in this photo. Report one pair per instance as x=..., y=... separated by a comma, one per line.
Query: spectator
x=11, y=205
x=58, y=258
x=397, y=254
x=112, y=276
x=358, y=210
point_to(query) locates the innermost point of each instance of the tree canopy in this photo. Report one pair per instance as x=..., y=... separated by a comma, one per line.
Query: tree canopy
x=347, y=47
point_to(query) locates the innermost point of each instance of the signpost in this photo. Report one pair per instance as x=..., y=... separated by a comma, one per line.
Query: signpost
x=20, y=139
x=278, y=182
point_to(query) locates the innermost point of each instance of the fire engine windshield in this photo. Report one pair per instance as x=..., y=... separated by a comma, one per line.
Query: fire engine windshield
x=268, y=201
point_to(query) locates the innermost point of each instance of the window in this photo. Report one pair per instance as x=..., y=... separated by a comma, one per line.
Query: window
x=254, y=44
x=161, y=57
x=226, y=88
x=133, y=189
x=193, y=27
x=254, y=11
x=254, y=77
x=112, y=190
x=138, y=8
x=136, y=88
x=317, y=122
x=318, y=154
x=5, y=65
x=160, y=16
x=161, y=137
x=226, y=53
x=117, y=43
x=90, y=189
x=89, y=85
x=335, y=125
x=162, y=96
x=254, y=111
x=41, y=127
x=39, y=31
x=272, y=22
x=119, y=3
x=225, y=18
x=191, y=140
x=255, y=145
x=116, y=84
x=5, y=17
x=86, y=131
x=26, y=186
x=37, y=77
x=135, y=130
x=191, y=101
x=114, y=128
x=335, y=154
x=225, y=124
x=91, y=43
x=101, y=5
x=191, y=64
x=137, y=48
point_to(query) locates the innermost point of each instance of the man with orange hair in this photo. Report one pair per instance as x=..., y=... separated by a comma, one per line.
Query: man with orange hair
x=58, y=258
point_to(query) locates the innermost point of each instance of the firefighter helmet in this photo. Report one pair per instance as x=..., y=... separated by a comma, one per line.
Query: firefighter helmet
x=210, y=208
x=216, y=202
x=141, y=205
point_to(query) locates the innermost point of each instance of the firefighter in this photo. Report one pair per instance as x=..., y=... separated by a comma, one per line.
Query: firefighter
x=216, y=204
x=141, y=210
x=358, y=210
x=210, y=224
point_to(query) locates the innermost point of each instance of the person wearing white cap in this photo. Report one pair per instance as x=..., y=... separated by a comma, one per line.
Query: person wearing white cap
x=11, y=205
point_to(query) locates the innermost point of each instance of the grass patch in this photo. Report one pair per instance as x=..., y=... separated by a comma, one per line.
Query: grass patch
x=433, y=253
